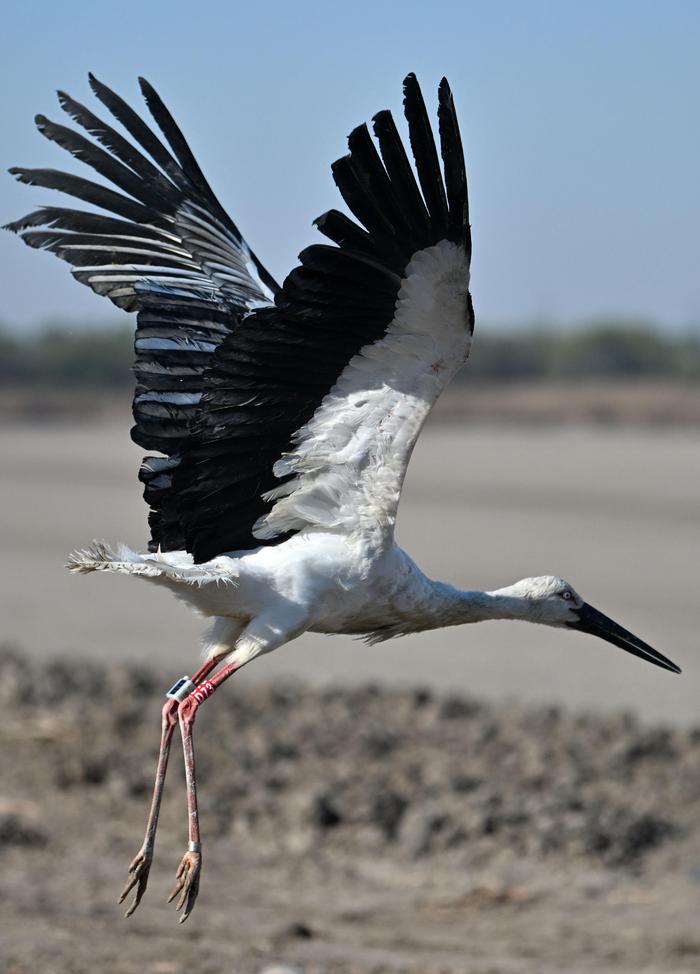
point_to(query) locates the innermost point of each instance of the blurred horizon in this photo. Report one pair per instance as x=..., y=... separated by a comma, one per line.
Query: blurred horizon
x=112, y=319
x=82, y=354
x=582, y=164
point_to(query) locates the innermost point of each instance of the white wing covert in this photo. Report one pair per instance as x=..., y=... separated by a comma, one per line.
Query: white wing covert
x=349, y=461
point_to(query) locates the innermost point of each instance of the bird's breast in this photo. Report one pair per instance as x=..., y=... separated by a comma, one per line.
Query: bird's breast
x=387, y=595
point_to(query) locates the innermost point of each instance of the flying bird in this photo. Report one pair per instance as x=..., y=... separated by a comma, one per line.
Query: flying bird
x=280, y=419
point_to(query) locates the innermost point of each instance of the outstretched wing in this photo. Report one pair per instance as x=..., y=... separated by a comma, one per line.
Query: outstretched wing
x=167, y=250
x=303, y=413
x=311, y=408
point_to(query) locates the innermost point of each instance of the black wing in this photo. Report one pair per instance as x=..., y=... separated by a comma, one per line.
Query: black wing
x=268, y=378
x=168, y=251
x=222, y=387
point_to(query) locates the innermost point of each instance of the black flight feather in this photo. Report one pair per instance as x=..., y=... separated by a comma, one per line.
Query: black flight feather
x=183, y=153
x=82, y=221
x=138, y=129
x=101, y=161
x=118, y=145
x=89, y=192
x=358, y=196
x=453, y=163
x=399, y=170
x=366, y=161
x=425, y=154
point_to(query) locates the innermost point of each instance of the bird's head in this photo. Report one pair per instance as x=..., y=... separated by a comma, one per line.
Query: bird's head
x=551, y=601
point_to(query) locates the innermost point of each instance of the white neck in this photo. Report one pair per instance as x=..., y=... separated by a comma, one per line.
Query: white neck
x=450, y=606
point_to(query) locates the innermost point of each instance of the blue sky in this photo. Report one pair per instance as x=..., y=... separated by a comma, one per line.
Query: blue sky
x=579, y=121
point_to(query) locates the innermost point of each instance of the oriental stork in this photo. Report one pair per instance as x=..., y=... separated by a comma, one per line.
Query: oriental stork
x=281, y=418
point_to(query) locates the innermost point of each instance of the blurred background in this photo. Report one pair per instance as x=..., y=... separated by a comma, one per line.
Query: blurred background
x=568, y=444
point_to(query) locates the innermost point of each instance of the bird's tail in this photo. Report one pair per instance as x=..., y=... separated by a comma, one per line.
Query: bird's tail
x=171, y=566
x=101, y=557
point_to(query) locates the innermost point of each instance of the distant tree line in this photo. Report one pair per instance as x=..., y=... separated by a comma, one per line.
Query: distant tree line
x=62, y=356
x=596, y=350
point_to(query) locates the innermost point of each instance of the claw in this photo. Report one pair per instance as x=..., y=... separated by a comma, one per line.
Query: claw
x=187, y=883
x=138, y=876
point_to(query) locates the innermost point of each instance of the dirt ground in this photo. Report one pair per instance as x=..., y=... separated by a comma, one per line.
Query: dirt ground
x=347, y=831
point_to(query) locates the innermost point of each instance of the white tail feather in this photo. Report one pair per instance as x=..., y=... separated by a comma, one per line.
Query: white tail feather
x=175, y=566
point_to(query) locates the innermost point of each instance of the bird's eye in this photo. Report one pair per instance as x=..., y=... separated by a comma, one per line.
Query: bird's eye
x=566, y=594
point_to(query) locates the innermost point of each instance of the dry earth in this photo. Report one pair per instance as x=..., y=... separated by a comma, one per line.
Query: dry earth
x=347, y=831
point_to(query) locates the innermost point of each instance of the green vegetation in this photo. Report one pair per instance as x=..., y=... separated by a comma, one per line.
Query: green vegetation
x=64, y=356
x=61, y=356
x=592, y=351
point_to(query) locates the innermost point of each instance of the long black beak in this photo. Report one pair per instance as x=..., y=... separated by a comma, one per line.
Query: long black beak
x=597, y=624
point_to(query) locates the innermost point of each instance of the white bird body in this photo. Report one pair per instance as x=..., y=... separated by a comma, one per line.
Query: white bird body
x=319, y=580
x=342, y=572
x=283, y=417
x=324, y=582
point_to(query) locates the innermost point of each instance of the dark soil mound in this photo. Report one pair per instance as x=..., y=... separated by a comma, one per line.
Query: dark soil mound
x=363, y=770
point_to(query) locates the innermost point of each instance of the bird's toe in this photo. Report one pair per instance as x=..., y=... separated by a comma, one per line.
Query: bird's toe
x=187, y=883
x=138, y=877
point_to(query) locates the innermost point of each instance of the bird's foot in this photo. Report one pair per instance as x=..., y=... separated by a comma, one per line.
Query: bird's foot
x=138, y=876
x=187, y=884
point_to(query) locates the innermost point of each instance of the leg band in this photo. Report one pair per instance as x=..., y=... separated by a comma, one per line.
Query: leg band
x=204, y=690
x=178, y=691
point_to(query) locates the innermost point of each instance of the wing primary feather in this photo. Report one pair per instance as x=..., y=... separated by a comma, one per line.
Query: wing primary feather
x=425, y=154
x=358, y=195
x=100, y=160
x=138, y=129
x=117, y=144
x=170, y=129
x=399, y=170
x=192, y=171
x=89, y=192
x=82, y=221
x=455, y=170
x=368, y=164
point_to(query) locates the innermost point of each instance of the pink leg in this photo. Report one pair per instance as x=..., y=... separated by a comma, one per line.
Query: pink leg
x=264, y=633
x=141, y=864
x=189, y=871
